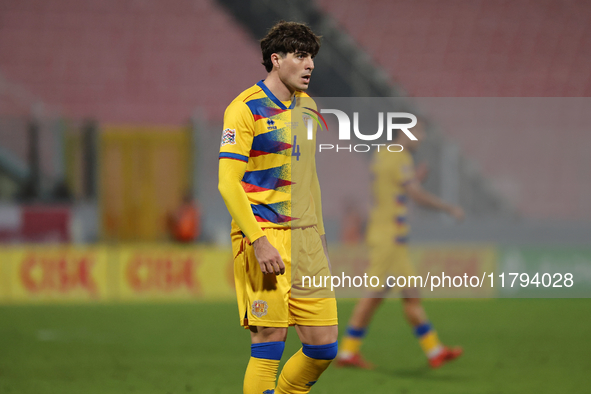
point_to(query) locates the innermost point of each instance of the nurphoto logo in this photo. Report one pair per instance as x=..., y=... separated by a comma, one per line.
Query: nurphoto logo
x=344, y=123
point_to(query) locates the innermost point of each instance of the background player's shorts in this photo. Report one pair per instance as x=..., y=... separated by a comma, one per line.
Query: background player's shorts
x=268, y=300
x=389, y=259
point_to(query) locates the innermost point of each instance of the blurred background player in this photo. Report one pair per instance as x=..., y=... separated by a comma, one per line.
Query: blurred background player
x=395, y=180
x=256, y=178
x=184, y=223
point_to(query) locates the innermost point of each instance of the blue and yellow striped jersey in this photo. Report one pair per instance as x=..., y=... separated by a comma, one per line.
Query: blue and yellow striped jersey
x=271, y=137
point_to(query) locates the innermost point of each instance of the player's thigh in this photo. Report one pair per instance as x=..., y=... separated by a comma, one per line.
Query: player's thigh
x=267, y=334
x=384, y=261
x=401, y=262
x=262, y=298
x=310, y=273
x=380, y=260
x=391, y=263
x=310, y=306
x=317, y=335
x=315, y=312
x=405, y=271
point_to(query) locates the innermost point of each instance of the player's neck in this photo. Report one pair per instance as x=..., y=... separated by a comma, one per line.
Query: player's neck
x=278, y=88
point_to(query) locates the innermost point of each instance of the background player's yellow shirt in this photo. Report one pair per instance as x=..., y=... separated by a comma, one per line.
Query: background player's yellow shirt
x=388, y=219
x=270, y=136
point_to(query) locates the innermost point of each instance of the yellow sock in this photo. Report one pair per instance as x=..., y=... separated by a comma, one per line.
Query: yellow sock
x=350, y=346
x=301, y=371
x=352, y=342
x=260, y=376
x=262, y=368
x=428, y=340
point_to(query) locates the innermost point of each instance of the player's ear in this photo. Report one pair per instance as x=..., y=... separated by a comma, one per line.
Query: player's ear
x=275, y=60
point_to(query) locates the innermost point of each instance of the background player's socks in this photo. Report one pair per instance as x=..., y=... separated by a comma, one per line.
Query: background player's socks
x=352, y=342
x=304, y=368
x=428, y=340
x=262, y=367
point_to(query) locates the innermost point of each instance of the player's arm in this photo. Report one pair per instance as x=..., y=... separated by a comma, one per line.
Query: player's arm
x=422, y=172
x=421, y=196
x=232, y=166
x=230, y=176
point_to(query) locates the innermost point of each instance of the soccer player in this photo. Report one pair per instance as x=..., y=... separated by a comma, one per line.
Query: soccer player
x=267, y=177
x=394, y=182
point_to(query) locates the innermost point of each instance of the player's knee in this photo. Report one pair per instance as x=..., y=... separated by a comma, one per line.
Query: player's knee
x=321, y=352
x=267, y=334
x=267, y=350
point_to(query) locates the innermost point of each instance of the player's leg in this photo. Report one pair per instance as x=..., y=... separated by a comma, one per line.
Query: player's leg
x=265, y=353
x=313, y=311
x=263, y=309
x=358, y=323
x=302, y=370
x=415, y=314
x=413, y=307
x=380, y=262
x=363, y=312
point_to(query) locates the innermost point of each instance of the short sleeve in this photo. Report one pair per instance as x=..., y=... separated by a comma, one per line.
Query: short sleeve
x=238, y=132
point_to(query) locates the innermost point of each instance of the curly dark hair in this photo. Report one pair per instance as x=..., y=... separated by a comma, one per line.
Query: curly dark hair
x=286, y=37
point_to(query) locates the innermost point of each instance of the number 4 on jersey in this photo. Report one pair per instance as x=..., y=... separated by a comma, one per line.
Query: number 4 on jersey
x=295, y=150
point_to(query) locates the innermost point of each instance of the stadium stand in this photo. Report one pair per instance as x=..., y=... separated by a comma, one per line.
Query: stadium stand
x=105, y=58
x=493, y=49
x=475, y=48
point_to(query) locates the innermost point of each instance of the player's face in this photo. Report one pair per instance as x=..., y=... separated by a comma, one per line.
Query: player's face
x=295, y=70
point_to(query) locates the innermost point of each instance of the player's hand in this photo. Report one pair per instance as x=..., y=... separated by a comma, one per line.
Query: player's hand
x=268, y=257
x=457, y=213
x=421, y=172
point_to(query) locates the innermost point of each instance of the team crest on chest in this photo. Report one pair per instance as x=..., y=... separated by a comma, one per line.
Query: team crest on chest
x=259, y=308
x=229, y=137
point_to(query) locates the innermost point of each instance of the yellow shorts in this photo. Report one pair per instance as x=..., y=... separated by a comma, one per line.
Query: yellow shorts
x=268, y=300
x=389, y=259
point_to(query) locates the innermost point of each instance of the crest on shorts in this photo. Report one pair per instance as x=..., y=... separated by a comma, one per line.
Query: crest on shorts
x=259, y=308
x=229, y=137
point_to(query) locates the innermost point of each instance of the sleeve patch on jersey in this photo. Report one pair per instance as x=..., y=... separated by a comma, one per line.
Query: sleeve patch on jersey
x=229, y=137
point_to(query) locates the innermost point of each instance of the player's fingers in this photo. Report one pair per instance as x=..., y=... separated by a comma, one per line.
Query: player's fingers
x=271, y=268
x=265, y=268
x=281, y=265
x=277, y=268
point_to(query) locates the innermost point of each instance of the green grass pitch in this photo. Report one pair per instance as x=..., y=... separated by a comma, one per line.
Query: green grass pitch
x=511, y=346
